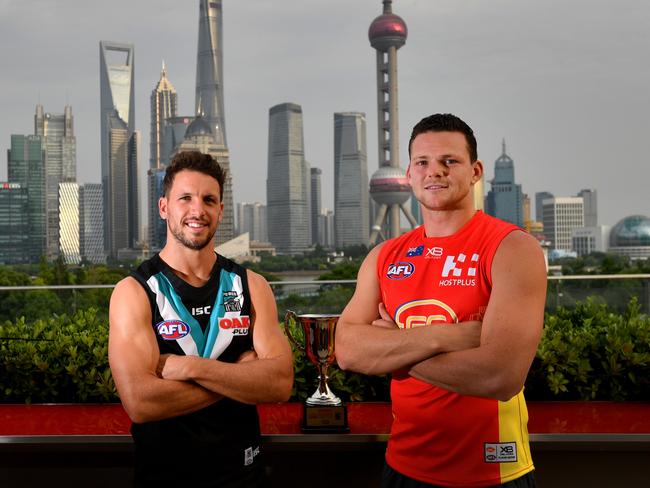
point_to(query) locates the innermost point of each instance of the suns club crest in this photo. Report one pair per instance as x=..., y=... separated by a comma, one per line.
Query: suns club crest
x=171, y=330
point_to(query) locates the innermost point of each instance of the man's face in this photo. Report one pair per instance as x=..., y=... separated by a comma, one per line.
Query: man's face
x=193, y=208
x=440, y=172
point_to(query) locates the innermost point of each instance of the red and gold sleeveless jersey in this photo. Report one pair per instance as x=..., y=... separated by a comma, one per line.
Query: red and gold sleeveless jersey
x=438, y=436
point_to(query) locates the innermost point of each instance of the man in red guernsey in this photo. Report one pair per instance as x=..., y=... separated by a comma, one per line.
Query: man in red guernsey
x=454, y=310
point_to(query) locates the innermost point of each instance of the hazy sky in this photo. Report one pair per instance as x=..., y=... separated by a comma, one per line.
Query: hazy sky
x=567, y=83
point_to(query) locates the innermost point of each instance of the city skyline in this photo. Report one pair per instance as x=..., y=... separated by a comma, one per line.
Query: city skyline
x=561, y=82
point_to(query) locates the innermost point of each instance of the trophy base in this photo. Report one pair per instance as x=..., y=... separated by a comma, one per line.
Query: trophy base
x=323, y=419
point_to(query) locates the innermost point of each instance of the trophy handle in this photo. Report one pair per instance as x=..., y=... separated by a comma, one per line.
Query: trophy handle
x=291, y=315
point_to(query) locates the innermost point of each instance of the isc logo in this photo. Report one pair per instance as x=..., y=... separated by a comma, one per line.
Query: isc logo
x=238, y=325
x=201, y=310
x=170, y=330
x=424, y=312
x=400, y=271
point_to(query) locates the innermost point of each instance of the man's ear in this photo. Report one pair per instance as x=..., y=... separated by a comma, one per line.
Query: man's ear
x=478, y=171
x=162, y=207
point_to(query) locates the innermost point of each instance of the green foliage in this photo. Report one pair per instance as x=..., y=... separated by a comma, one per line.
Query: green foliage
x=592, y=353
x=62, y=359
x=342, y=271
x=586, y=353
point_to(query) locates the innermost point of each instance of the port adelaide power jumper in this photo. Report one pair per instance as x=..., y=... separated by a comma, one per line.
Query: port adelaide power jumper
x=212, y=321
x=438, y=436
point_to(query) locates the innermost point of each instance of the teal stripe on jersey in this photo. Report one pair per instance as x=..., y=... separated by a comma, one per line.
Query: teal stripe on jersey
x=225, y=283
x=167, y=290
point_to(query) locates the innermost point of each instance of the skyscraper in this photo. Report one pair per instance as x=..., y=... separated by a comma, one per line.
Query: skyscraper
x=163, y=108
x=252, y=219
x=505, y=199
x=351, y=212
x=69, y=223
x=316, y=203
x=562, y=215
x=119, y=146
x=540, y=196
x=590, y=200
x=14, y=224
x=209, y=69
x=57, y=131
x=287, y=181
x=388, y=185
x=26, y=166
x=91, y=223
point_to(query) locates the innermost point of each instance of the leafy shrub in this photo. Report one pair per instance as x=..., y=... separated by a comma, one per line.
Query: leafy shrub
x=586, y=353
x=591, y=353
x=61, y=359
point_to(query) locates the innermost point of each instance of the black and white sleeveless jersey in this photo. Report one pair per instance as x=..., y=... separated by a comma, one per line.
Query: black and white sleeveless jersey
x=212, y=321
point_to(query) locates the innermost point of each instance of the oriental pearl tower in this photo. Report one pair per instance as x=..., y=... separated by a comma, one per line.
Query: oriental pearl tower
x=388, y=186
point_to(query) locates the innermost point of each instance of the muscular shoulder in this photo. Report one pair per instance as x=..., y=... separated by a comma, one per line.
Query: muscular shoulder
x=519, y=256
x=128, y=295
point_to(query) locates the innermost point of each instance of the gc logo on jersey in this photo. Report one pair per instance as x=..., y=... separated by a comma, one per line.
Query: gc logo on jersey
x=400, y=271
x=238, y=325
x=170, y=330
x=424, y=312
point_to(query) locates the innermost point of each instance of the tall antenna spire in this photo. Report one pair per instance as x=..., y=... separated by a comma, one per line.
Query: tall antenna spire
x=388, y=7
x=503, y=146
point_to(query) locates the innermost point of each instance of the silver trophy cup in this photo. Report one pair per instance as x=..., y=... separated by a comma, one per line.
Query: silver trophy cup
x=318, y=333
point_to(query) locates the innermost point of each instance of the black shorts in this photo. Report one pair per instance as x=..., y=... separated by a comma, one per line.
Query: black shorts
x=392, y=479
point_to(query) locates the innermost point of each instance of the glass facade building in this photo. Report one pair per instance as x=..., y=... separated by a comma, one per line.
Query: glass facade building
x=505, y=198
x=562, y=215
x=316, y=203
x=14, y=224
x=288, y=182
x=69, y=223
x=351, y=211
x=119, y=146
x=57, y=131
x=91, y=223
x=26, y=166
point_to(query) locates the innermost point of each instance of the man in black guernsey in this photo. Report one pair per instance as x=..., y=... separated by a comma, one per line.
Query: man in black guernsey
x=194, y=344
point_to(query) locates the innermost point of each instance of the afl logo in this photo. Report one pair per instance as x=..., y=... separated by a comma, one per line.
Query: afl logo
x=400, y=271
x=170, y=330
x=424, y=312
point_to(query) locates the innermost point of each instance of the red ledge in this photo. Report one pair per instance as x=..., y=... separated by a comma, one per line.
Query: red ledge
x=364, y=418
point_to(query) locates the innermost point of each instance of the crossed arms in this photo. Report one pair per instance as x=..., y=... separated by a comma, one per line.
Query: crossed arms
x=154, y=387
x=490, y=359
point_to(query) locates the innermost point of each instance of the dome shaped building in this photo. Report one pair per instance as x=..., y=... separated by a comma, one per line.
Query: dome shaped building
x=631, y=237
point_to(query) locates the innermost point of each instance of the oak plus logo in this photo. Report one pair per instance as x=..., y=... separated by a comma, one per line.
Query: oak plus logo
x=237, y=325
x=424, y=312
x=459, y=270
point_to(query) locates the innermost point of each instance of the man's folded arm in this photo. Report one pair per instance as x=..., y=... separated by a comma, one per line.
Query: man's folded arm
x=134, y=357
x=511, y=329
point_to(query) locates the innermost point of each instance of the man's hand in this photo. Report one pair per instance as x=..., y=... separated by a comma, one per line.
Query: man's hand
x=384, y=320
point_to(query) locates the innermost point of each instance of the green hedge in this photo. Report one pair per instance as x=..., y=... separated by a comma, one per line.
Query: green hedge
x=586, y=353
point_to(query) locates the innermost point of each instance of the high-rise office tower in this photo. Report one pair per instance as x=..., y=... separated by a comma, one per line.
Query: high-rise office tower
x=351, y=212
x=119, y=146
x=163, y=109
x=69, y=223
x=14, y=224
x=316, y=203
x=388, y=185
x=590, y=200
x=26, y=166
x=209, y=69
x=326, y=229
x=251, y=218
x=198, y=137
x=57, y=131
x=505, y=199
x=540, y=196
x=561, y=216
x=91, y=223
x=287, y=183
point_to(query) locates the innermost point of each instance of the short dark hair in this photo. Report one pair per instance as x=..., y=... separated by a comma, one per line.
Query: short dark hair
x=446, y=123
x=193, y=161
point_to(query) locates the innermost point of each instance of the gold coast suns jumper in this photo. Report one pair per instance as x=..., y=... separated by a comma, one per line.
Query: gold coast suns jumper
x=438, y=436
